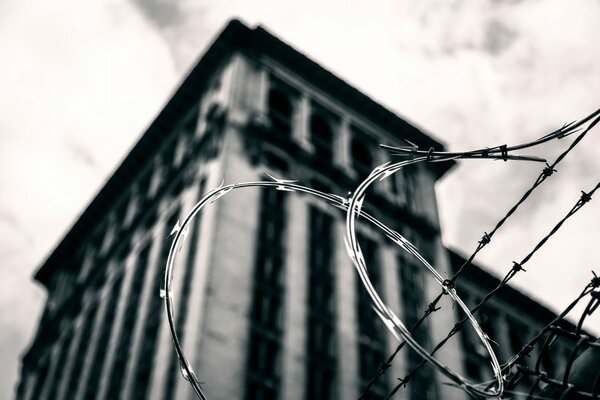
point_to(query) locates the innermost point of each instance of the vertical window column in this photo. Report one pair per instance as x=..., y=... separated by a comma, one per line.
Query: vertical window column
x=321, y=320
x=151, y=325
x=182, y=313
x=41, y=379
x=76, y=371
x=422, y=385
x=263, y=376
x=371, y=330
x=91, y=388
x=122, y=352
x=56, y=379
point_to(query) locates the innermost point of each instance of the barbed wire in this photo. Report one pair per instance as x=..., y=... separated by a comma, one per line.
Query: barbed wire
x=564, y=386
x=180, y=232
x=500, y=152
x=516, y=268
x=353, y=207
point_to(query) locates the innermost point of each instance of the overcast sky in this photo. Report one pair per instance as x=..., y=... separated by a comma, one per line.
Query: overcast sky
x=81, y=80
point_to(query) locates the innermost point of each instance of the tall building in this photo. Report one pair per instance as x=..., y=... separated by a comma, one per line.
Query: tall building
x=268, y=305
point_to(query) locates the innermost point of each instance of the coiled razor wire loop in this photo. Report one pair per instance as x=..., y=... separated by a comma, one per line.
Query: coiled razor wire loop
x=391, y=320
x=180, y=232
x=353, y=206
x=413, y=151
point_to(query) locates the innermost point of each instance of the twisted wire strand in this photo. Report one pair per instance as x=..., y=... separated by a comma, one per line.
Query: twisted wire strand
x=583, y=340
x=584, y=199
x=487, y=237
x=180, y=232
x=498, y=152
x=526, y=348
x=392, y=322
x=353, y=206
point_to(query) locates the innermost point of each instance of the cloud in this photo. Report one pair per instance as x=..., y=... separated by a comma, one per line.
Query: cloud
x=498, y=37
x=162, y=13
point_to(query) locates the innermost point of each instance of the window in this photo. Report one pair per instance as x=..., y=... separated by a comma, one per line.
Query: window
x=151, y=324
x=108, y=319
x=168, y=163
x=182, y=313
x=150, y=219
x=74, y=375
x=280, y=111
x=321, y=136
x=191, y=122
x=371, y=330
x=145, y=188
x=274, y=161
x=263, y=363
x=121, y=214
x=41, y=380
x=321, y=352
x=476, y=358
x=398, y=185
x=362, y=159
x=515, y=335
x=422, y=386
x=62, y=360
x=188, y=133
x=117, y=372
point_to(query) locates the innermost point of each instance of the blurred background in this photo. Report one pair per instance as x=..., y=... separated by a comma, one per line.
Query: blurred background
x=81, y=82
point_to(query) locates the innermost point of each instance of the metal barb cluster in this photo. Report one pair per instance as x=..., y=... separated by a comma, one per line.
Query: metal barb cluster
x=487, y=237
x=352, y=205
x=581, y=377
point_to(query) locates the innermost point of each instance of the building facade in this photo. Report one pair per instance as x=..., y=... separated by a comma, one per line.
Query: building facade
x=268, y=305
x=511, y=320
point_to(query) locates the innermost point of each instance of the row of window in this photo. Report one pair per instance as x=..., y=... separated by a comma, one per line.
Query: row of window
x=322, y=127
x=491, y=319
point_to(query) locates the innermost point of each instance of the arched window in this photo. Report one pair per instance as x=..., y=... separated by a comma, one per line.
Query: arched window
x=280, y=111
x=362, y=159
x=321, y=136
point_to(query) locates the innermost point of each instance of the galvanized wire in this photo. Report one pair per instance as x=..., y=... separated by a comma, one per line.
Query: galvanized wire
x=498, y=152
x=517, y=267
x=180, y=232
x=353, y=207
x=556, y=386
